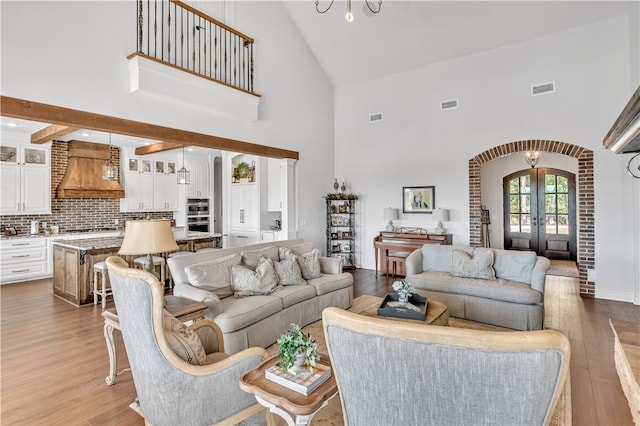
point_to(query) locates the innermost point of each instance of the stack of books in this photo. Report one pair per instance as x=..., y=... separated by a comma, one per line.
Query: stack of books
x=304, y=382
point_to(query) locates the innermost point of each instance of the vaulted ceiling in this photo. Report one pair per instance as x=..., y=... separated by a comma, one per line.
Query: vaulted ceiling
x=408, y=34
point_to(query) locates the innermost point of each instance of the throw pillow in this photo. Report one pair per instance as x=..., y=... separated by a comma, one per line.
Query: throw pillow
x=246, y=282
x=301, y=248
x=479, y=266
x=184, y=341
x=309, y=262
x=289, y=272
x=214, y=275
x=251, y=259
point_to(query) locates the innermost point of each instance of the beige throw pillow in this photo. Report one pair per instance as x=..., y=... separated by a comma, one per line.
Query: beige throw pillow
x=309, y=262
x=250, y=259
x=184, y=341
x=246, y=282
x=214, y=275
x=479, y=266
x=289, y=272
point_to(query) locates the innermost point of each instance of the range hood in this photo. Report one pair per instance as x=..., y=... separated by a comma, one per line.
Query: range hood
x=83, y=177
x=624, y=136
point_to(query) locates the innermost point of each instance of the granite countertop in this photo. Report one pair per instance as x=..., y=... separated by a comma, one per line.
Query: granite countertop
x=116, y=242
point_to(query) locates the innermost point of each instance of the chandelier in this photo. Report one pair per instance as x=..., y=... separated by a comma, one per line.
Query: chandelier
x=532, y=157
x=349, y=15
x=108, y=168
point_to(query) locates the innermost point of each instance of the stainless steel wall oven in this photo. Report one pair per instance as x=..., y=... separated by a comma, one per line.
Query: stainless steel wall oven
x=198, y=214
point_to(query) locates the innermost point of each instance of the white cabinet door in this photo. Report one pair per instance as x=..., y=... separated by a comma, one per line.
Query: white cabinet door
x=10, y=201
x=244, y=207
x=36, y=189
x=138, y=185
x=165, y=188
x=199, y=173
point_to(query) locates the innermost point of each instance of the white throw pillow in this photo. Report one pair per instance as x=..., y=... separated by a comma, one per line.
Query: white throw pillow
x=300, y=249
x=246, y=282
x=479, y=266
x=214, y=275
x=289, y=272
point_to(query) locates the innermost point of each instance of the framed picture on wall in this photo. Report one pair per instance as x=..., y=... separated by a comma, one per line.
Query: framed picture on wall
x=418, y=199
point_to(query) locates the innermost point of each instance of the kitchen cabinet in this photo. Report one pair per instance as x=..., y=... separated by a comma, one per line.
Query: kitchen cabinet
x=245, y=210
x=275, y=170
x=243, y=238
x=165, y=185
x=199, y=174
x=23, y=259
x=138, y=185
x=25, y=180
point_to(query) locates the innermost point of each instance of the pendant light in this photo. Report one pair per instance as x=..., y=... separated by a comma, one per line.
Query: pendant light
x=183, y=174
x=109, y=169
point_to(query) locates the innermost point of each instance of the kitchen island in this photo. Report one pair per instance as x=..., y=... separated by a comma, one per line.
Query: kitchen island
x=73, y=261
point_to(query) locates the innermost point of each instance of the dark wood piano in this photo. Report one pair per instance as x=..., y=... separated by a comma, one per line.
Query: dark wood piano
x=393, y=242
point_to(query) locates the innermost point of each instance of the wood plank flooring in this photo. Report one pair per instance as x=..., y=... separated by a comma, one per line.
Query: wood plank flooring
x=54, y=358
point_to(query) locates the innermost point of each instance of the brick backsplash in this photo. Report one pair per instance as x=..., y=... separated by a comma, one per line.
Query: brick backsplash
x=81, y=213
x=585, y=198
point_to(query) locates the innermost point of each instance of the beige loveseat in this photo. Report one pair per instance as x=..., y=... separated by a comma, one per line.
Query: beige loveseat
x=258, y=320
x=493, y=286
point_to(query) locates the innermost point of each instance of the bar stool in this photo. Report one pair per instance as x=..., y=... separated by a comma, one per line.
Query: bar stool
x=100, y=271
x=158, y=262
x=395, y=258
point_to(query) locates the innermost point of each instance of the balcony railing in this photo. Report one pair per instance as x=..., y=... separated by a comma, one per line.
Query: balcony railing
x=177, y=34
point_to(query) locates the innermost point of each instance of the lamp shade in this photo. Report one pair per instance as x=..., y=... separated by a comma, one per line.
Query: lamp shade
x=440, y=215
x=390, y=213
x=147, y=237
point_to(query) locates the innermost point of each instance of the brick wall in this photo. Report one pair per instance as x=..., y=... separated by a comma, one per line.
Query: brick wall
x=81, y=213
x=585, y=196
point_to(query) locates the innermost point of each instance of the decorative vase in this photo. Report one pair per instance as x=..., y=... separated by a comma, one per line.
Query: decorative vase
x=403, y=298
x=336, y=185
x=298, y=364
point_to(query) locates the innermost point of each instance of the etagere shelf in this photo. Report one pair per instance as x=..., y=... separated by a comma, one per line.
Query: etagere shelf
x=341, y=229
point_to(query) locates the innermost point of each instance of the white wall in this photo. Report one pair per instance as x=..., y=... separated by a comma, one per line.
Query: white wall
x=416, y=144
x=73, y=54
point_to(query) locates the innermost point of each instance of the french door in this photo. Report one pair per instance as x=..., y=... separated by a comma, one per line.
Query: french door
x=540, y=212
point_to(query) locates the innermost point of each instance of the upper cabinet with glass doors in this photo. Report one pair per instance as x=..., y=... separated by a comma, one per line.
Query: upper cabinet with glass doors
x=25, y=179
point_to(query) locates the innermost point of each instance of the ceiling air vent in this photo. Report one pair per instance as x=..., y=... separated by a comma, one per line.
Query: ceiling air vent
x=450, y=104
x=541, y=89
x=375, y=117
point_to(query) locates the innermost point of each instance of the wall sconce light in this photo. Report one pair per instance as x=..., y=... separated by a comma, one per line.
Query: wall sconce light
x=532, y=157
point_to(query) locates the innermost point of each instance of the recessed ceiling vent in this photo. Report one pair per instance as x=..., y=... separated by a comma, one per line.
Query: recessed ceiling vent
x=375, y=117
x=543, y=88
x=450, y=104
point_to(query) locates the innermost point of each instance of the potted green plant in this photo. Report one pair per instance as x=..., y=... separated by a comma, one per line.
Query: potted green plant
x=296, y=349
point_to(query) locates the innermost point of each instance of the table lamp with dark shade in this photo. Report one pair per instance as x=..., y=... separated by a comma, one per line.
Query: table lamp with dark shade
x=146, y=237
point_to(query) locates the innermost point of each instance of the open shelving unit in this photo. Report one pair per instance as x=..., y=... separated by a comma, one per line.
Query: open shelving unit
x=341, y=230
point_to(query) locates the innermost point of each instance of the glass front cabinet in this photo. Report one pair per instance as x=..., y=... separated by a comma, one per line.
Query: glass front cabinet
x=25, y=175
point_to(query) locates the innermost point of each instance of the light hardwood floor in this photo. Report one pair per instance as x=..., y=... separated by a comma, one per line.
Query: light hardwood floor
x=54, y=357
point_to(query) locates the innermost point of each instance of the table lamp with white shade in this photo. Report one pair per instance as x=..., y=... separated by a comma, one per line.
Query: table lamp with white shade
x=390, y=214
x=146, y=237
x=440, y=215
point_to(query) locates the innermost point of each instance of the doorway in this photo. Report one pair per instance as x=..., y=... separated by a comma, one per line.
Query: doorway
x=540, y=212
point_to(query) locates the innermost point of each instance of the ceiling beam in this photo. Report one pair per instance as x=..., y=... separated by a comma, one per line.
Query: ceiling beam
x=50, y=133
x=157, y=147
x=28, y=110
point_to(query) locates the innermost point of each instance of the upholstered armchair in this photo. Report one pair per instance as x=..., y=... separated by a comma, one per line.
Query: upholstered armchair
x=170, y=389
x=396, y=372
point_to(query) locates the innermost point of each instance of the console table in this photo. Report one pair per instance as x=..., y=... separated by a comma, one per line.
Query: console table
x=387, y=242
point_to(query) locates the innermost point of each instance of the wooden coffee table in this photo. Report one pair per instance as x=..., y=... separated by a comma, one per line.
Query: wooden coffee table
x=437, y=312
x=295, y=408
x=181, y=308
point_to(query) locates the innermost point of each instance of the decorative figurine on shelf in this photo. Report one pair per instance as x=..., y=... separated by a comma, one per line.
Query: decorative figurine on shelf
x=404, y=291
x=296, y=349
x=336, y=185
x=343, y=188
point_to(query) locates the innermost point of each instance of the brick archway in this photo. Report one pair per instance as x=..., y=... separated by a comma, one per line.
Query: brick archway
x=585, y=197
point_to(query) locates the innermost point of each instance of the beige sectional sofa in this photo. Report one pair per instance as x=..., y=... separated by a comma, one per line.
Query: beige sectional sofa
x=493, y=286
x=259, y=319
